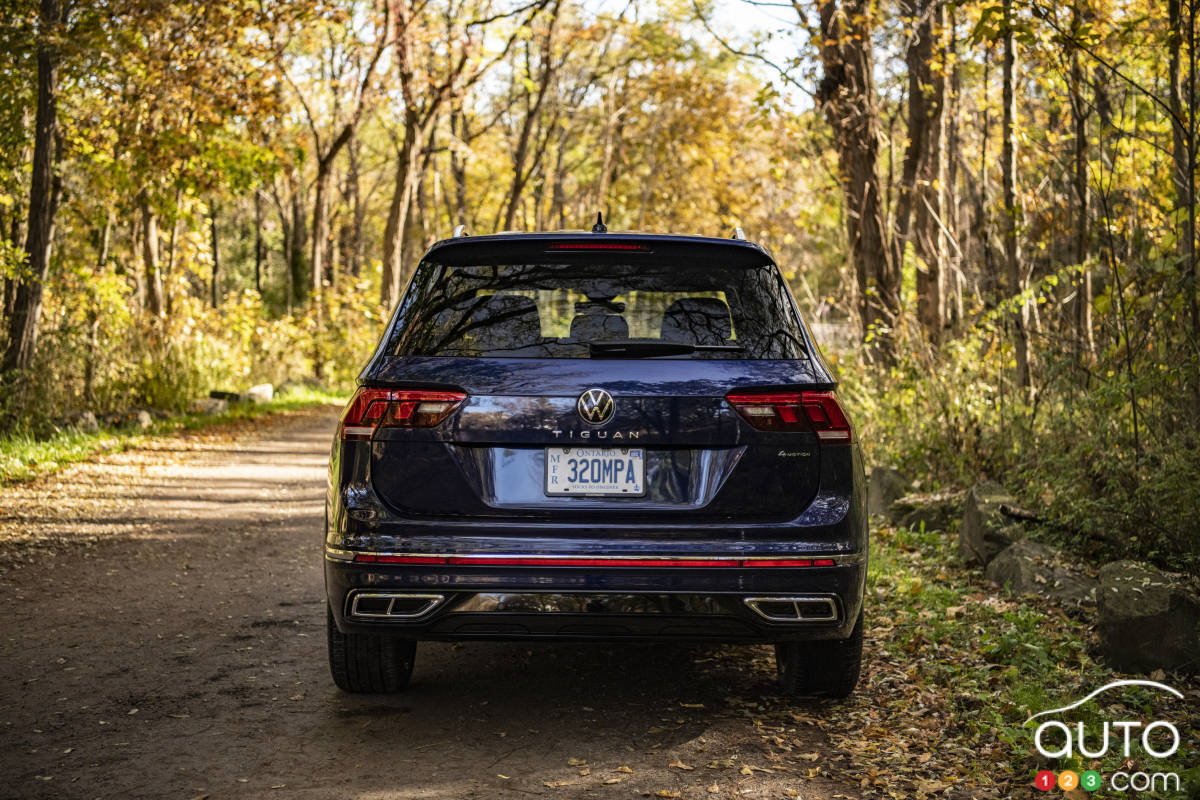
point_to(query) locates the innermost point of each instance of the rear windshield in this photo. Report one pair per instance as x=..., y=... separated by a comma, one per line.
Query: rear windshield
x=598, y=310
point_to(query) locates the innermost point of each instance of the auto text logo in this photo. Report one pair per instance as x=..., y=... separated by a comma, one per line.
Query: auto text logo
x=1128, y=739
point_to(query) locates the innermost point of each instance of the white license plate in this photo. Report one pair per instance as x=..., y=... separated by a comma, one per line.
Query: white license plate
x=596, y=471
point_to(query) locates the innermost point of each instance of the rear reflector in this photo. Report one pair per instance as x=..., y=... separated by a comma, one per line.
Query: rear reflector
x=372, y=408
x=554, y=561
x=818, y=412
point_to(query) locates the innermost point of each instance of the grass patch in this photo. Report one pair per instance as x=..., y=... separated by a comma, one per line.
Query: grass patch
x=954, y=670
x=24, y=456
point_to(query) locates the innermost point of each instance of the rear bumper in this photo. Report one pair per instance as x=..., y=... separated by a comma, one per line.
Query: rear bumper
x=710, y=603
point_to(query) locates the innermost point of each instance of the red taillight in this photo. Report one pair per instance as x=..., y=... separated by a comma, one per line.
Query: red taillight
x=818, y=412
x=596, y=246
x=371, y=409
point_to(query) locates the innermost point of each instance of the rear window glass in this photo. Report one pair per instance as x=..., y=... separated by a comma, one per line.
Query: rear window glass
x=597, y=310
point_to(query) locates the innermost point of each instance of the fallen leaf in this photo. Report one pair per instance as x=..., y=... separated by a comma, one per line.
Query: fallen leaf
x=714, y=789
x=625, y=770
x=576, y=762
x=680, y=765
x=811, y=756
x=611, y=781
x=555, y=784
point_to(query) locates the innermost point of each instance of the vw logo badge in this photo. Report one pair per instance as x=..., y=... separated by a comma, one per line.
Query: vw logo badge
x=595, y=406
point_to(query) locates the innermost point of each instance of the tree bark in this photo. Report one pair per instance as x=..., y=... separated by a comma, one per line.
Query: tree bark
x=397, y=219
x=929, y=224
x=258, y=241
x=954, y=300
x=1008, y=159
x=353, y=244
x=216, y=254
x=1183, y=146
x=150, y=259
x=298, y=266
x=919, y=208
x=847, y=95
x=27, y=302
x=1082, y=305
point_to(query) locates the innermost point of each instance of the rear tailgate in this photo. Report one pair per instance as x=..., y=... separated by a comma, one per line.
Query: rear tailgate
x=702, y=461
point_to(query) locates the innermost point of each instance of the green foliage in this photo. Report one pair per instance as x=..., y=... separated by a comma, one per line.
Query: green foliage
x=950, y=416
x=980, y=665
x=25, y=456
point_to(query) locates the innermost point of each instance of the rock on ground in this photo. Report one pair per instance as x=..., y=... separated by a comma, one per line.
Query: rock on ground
x=209, y=405
x=886, y=485
x=1149, y=619
x=260, y=393
x=936, y=511
x=1032, y=568
x=985, y=529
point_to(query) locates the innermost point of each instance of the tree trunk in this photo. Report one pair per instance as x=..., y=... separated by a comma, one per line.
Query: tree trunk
x=929, y=225
x=258, y=241
x=298, y=266
x=354, y=252
x=1183, y=154
x=954, y=306
x=216, y=254
x=1008, y=159
x=397, y=220
x=521, y=153
x=1082, y=306
x=103, y=242
x=847, y=94
x=150, y=260
x=458, y=168
x=320, y=226
x=27, y=303
x=919, y=208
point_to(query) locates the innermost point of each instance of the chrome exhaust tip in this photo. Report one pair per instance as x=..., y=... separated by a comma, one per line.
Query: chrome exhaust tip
x=804, y=608
x=393, y=605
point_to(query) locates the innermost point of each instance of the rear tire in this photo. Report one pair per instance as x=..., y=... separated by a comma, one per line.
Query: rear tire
x=368, y=663
x=826, y=668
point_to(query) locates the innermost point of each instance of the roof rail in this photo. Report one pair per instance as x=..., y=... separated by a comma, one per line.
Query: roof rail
x=738, y=234
x=460, y=231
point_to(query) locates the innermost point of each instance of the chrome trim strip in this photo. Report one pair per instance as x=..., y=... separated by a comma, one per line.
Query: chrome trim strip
x=839, y=559
x=435, y=600
x=829, y=602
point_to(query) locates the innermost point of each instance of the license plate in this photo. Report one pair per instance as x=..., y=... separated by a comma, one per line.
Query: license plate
x=596, y=471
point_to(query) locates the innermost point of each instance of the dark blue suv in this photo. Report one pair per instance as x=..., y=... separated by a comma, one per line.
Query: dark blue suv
x=596, y=436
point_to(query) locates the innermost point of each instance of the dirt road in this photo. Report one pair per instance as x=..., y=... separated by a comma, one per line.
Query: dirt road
x=163, y=636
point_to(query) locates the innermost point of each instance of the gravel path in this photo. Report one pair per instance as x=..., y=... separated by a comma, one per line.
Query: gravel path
x=163, y=630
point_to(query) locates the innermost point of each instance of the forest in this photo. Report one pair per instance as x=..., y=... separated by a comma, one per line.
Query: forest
x=986, y=208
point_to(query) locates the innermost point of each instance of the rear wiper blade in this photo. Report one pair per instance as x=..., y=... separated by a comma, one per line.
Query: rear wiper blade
x=651, y=349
